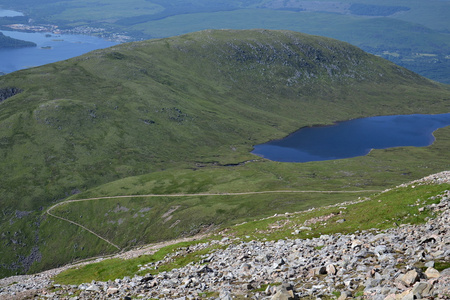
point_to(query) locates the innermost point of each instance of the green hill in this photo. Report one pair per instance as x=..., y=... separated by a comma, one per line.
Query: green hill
x=413, y=34
x=186, y=111
x=8, y=42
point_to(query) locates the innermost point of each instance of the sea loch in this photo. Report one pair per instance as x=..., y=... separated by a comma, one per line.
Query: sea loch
x=50, y=48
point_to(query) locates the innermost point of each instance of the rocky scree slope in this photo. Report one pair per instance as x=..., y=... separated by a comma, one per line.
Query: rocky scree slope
x=372, y=264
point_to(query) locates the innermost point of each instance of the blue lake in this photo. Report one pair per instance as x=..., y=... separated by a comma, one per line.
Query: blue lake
x=50, y=48
x=354, y=138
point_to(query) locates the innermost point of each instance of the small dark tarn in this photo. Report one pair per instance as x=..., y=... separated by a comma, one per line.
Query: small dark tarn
x=9, y=92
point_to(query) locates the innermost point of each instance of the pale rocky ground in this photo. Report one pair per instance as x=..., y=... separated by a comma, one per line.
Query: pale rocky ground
x=371, y=264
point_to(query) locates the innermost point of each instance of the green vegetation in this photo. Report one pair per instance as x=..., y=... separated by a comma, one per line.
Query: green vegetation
x=407, y=27
x=399, y=206
x=110, y=269
x=180, y=115
x=395, y=207
x=442, y=265
x=8, y=42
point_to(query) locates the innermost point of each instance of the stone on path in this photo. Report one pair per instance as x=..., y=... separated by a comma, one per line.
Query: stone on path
x=93, y=288
x=331, y=269
x=317, y=271
x=432, y=273
x=225, y=295
x=284, y=292
x=345, y=295
x=410, y=277
x=421, y=289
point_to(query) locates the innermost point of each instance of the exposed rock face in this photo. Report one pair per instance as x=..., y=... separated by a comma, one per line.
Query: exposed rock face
x=371, y=264
x=8, y=92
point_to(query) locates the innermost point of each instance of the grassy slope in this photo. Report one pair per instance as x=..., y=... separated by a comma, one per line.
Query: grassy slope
x=133, y=221
x=421, y=28
x=101, y=115
x=8, y=42
x=200, y=100
x=398, y=206
x=407, y=34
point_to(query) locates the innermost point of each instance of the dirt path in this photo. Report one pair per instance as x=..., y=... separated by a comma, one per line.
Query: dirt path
x=174, y=195
x=144, y=250
x=443, y=177
x=207, y=194
x=79, y=225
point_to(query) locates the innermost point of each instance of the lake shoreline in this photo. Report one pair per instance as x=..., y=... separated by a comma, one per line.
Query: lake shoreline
x=57, y=47
x=303, y=146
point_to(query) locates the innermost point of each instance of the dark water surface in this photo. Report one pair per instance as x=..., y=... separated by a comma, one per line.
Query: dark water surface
x=50, y=48
x=354, y=138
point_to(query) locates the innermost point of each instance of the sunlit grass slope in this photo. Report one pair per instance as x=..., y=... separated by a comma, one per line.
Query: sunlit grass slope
x=196, y=101
x=396, y=207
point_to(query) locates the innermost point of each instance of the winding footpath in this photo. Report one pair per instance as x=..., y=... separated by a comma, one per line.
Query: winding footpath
x=173, y=195
x=372, y=264
x=79, y=225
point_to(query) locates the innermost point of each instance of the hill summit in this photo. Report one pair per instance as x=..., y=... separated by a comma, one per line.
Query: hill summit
x=197, y=100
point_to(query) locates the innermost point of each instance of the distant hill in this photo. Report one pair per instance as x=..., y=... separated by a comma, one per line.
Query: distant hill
x=200, y=100
x=9, y=42
x=413, y=34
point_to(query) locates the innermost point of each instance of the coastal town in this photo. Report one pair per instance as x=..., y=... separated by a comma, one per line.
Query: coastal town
x=85, y=30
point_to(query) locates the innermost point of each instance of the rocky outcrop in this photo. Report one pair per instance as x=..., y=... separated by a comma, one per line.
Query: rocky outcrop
x=398, y=263
x=8, y=92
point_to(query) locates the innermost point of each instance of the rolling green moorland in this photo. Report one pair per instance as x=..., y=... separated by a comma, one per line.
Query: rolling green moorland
x=411, y=33
x=164, y=129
